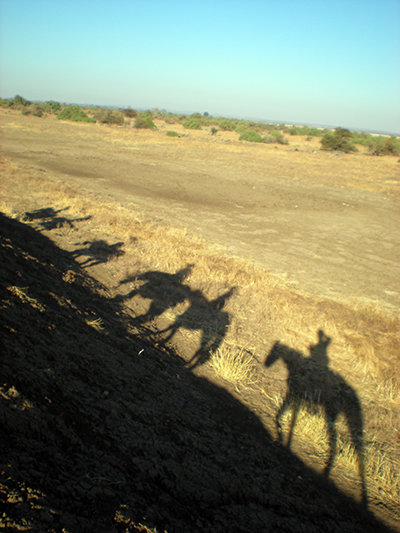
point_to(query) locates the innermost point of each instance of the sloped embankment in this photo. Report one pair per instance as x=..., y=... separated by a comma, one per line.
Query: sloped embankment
x=103, y=432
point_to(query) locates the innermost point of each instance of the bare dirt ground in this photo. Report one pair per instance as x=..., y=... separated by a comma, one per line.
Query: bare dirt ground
x=327, y=223
x=102, y=429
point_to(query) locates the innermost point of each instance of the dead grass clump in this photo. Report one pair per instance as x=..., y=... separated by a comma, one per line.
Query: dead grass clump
x=233, y=364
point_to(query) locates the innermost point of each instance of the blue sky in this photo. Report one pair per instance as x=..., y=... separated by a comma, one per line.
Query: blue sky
x=327, y=62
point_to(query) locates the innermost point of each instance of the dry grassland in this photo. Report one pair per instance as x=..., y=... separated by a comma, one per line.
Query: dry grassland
x=262, y=308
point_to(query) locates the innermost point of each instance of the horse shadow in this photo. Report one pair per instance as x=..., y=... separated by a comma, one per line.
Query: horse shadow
x=49, y=218
x=209, y=318
x=202, y=315
x=163, y=289
x=312, y=384
x=98, y=252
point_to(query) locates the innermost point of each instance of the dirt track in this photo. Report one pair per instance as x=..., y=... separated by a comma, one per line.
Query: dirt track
x=326, y=223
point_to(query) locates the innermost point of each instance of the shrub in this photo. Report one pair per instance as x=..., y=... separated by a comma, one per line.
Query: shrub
x=339, y=140
x=144, y=123
x=192, y=124
x=214, y=131
x=279, y=137
x=20, y=101
x=51, y=107
x=129, y=112
x=384, y=146
x=170, y=133
x=75, y=113
x=226, y=124
x=108, y=116
x=251, y=136
x=37, y=110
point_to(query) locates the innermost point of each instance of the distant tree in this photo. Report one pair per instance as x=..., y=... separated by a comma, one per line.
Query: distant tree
x=21, y=101
x=339, y=140
x=129, y=112
x=383, y=146
x=51, y=107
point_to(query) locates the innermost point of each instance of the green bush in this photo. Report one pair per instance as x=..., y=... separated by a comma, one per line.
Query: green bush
x=51, y=107
x=144, y=123
x=192, y=124
x=170, y=133
x=75, y=113
x=225, y=124
x=214, y=131
x=37, y=110
x=251, y=136
x=384, y=146
x=21, y=101
x=279, y=137
x=129, y=112
x=146, y=114
x=108, y=116
x=241, y=128
x=339, y=140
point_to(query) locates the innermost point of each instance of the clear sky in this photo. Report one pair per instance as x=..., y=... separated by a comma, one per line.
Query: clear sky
x=326, y=62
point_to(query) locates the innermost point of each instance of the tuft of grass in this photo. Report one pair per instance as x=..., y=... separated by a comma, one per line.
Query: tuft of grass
x=96, y=323
x=170, y=133
x=233, y=364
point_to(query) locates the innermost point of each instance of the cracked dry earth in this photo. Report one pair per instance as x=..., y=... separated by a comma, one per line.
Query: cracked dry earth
x=102, y=431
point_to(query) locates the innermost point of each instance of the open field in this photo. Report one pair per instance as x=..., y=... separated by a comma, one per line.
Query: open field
x=210, y=251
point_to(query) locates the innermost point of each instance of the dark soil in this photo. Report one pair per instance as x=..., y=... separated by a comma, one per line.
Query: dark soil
x=101, y=430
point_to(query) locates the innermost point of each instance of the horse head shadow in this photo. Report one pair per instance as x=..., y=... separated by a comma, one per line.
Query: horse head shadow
x=312, y=384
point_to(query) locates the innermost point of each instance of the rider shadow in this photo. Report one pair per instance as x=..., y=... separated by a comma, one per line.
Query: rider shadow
x=207, y=317
x=313, y=385
x=98, y=252
x=50, y=220
x=204, y=316
x=164, y=290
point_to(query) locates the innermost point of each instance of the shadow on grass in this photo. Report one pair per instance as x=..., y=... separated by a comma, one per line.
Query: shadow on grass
x=101, y=431
x=202, y=315
x=312, y=384
x=49, y=218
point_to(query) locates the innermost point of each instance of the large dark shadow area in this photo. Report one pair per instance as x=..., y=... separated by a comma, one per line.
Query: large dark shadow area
x=101, y=431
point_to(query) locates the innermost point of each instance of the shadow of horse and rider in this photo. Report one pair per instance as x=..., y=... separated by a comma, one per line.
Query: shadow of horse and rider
x=204, y=316
x=315, y=386
x=311, y=383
